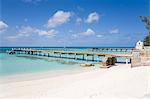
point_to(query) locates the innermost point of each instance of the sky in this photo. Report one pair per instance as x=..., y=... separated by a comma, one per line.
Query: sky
x=74, y=23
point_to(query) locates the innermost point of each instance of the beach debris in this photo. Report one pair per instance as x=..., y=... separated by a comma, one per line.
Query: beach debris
x=87, y=65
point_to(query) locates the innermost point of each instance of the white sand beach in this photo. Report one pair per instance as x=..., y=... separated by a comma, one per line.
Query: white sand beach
x=118, y=82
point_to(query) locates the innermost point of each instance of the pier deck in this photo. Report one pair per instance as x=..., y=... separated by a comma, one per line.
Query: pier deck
x=68, y=53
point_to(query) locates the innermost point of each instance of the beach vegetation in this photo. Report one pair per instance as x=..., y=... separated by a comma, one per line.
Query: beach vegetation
x=147, y=37
x=147, y=40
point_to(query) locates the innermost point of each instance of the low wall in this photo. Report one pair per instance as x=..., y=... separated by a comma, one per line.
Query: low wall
x=141, y=57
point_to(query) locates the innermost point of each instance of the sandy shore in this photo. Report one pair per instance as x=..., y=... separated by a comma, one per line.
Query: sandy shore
x=118, y=82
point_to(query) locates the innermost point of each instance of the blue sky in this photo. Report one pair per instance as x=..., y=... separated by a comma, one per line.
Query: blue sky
x=72, y=22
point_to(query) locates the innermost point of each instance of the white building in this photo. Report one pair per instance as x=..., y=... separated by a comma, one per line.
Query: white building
x=139, y=45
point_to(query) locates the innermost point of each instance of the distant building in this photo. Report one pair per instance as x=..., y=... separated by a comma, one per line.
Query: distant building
x=139, y=45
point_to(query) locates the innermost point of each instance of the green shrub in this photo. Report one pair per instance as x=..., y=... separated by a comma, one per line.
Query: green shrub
x=147, y=41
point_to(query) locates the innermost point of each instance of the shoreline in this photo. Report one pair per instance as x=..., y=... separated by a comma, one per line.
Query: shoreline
x=53, y=73
x=45, y=74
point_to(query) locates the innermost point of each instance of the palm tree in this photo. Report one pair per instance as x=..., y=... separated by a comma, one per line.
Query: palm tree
x=145, y=20
x=147, y=38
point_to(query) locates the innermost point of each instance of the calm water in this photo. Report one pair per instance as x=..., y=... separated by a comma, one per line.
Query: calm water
x=22, y=63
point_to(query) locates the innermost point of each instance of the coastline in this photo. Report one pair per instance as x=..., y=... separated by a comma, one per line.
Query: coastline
x=44, y=74
x=54, y=73
x=119, y=82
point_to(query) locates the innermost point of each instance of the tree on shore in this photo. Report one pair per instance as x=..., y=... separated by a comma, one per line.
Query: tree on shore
x=147, y=38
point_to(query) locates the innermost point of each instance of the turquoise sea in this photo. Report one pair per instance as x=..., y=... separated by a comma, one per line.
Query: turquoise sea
x=23, y=63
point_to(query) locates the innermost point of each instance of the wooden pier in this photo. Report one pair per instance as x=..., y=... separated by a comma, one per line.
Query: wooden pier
x=70, y=54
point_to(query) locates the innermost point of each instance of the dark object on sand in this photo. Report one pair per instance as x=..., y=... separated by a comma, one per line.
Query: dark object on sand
x=108, y=62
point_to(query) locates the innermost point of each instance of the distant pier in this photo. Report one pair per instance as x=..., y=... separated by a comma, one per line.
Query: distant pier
x=72, y=54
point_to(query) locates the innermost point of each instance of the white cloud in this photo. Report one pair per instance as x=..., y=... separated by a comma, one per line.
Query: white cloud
x=12, y=37
x=3, y=26
x=50, y=33
x=78, y=20
x=92, y=17
x=26, y=31
x=71, y=31
x=99, y=36
x=113, y=31
x=59, y=18
x=88, y=32
x=73, y=36
x=33, y=1
x=23, y=31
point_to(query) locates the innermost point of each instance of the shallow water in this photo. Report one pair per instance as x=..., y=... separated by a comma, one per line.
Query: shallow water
x=20, y=63
x=23, y=63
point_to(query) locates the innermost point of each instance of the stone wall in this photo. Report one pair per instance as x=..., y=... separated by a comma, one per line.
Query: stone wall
x=141, y=57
